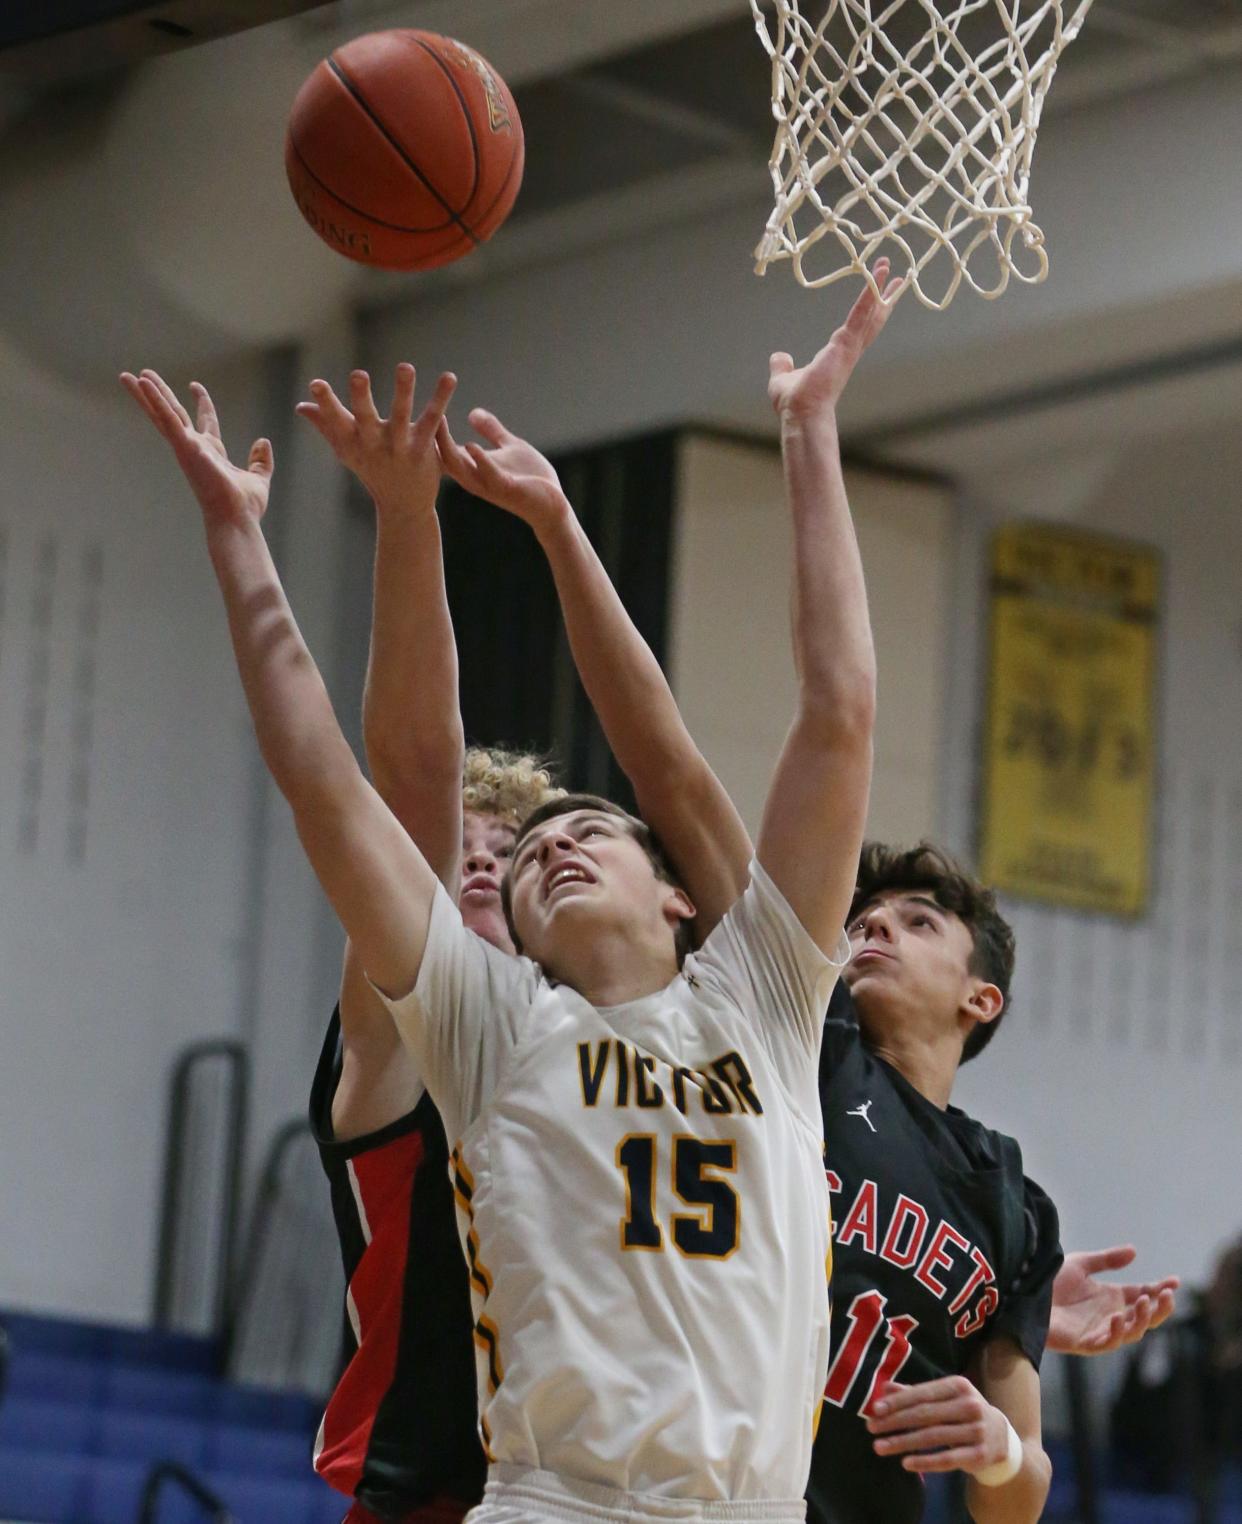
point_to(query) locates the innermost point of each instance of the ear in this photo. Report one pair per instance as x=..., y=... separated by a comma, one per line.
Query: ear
x=678, y=906
x=983, y=1003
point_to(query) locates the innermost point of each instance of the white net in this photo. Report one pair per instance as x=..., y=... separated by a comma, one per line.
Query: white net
x=907, y=128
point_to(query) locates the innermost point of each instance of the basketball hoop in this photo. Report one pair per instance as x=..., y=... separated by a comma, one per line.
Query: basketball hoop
x=907, y=128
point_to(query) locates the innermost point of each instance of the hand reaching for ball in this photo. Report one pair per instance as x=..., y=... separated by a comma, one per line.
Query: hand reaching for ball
x=512, y=474
x=226, y=493
x=394, y=458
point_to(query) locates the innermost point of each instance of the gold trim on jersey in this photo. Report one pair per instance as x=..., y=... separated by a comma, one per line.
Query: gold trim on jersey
x=819, y=1406
x=487, y=1337
x=486, y=1334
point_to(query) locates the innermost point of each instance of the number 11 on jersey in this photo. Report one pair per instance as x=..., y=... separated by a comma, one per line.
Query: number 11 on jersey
x=865, y=1314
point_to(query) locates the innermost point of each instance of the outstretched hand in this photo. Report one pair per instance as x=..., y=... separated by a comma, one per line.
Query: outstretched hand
x=1092, y=1317
x=395, y=457
x=817, y=386
x=512, y=474
x=227, y=494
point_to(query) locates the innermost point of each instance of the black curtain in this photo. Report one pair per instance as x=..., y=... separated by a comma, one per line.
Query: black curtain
x=518, y=685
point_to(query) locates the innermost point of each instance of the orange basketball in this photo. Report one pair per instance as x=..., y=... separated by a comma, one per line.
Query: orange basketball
x=404, y=150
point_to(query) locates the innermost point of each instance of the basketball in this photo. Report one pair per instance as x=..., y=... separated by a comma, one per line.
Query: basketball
x=404, y=150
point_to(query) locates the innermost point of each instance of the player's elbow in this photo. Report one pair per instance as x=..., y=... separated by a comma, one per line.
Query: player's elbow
x=841, y=705
x=414, y=747
x=314, y=773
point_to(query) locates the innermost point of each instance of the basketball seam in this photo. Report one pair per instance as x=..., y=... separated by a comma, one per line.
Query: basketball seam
x=392, y=227
x=499, y=196
x=405, y=158
x=465, y=111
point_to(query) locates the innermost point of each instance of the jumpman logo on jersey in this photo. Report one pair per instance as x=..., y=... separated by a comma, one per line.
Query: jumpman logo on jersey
x=861, y=1111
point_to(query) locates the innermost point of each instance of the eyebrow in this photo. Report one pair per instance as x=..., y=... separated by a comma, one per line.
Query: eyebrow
x=925, y=900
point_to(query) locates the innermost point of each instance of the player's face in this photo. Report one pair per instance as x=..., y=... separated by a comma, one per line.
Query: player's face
x=582, y=874
x=909, y=965
x=486, y=848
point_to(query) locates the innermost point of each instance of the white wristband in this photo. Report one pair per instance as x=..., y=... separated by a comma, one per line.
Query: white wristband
x=1000, y=1472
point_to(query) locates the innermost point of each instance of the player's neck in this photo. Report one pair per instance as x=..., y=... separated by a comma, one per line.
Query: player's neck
x=928, y=1061
x=612, y=968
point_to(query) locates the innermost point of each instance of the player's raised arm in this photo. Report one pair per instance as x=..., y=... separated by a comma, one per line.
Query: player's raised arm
x=411, y=721
x=377, y=880
x=410, y=716
x=678, y=795
x=816, y=807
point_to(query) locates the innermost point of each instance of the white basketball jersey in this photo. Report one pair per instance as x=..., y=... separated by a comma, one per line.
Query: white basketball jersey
x=643, y=1205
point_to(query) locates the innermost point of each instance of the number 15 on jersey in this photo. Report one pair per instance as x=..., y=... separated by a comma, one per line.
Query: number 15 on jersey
x=700, y=1167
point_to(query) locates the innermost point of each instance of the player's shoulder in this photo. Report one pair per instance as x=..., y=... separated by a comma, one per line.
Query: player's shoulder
x=841, y=1039
x=1004, y=1154
x=990, y=1147
x=760, y=943
x=1042, y=1219
x=452, y=944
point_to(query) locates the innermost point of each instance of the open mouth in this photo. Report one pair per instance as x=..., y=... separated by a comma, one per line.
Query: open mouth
x=480, y=889
x=566, y=873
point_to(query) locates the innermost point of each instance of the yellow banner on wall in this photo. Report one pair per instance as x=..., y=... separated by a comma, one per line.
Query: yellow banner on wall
x=1070, y=743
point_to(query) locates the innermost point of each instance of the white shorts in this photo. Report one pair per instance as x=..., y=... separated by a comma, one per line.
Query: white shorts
x=522, y=1495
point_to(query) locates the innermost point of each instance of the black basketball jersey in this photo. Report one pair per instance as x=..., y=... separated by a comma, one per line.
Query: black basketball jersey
x=939, y=1244
x=400, y=1433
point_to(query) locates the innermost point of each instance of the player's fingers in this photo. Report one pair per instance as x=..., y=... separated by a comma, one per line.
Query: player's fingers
x=160, y=413
x=1165, y=1304
x=880, y=309
x=429, y=420
x=897, y=1396
x=965, y=1458
x=453, y=458
x=895, y=289
x=937, y=1437
x=1112, y=1336
x=1138, y=1320
x=313, y=414
x=926, y=1415
x=360, y=398
x=334, y=418
x=1094, y=1261
x=169, y=396
x=862, y=313
x=489, y=473
x=133, y=386
x=779, y=364
x=207, y=421
x=1152, y=1288
x=403, y=396
x=489, y=426
x=261, y=459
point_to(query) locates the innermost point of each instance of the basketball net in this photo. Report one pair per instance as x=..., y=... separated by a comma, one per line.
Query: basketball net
x=907, y=128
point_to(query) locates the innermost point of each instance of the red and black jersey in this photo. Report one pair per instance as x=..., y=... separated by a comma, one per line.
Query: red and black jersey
x=400, y=1433
x=939, y=1244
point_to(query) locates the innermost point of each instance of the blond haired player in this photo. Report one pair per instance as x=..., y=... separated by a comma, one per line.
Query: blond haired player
x=614, y=1237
